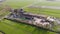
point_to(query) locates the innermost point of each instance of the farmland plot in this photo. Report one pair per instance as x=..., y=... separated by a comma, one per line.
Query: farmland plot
x=10, y=27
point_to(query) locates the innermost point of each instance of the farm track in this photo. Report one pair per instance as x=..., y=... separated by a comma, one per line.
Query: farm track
x=50, y=7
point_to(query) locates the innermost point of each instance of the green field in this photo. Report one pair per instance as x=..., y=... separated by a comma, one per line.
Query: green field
x=11, y=27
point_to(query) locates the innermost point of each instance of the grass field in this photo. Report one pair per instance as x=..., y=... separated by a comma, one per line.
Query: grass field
x=19, y=3
x=10, y=27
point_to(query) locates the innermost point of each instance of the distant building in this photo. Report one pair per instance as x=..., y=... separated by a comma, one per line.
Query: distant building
x=50, y=0
x=2, y=0
x=57, y=0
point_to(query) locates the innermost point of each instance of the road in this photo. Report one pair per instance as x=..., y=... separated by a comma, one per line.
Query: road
x=50, y=7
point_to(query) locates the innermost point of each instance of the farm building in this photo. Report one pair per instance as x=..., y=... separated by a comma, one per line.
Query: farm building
x=50, y=0
x=2, y=0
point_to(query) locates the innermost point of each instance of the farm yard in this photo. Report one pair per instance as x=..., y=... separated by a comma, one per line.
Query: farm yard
x=11, y=27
